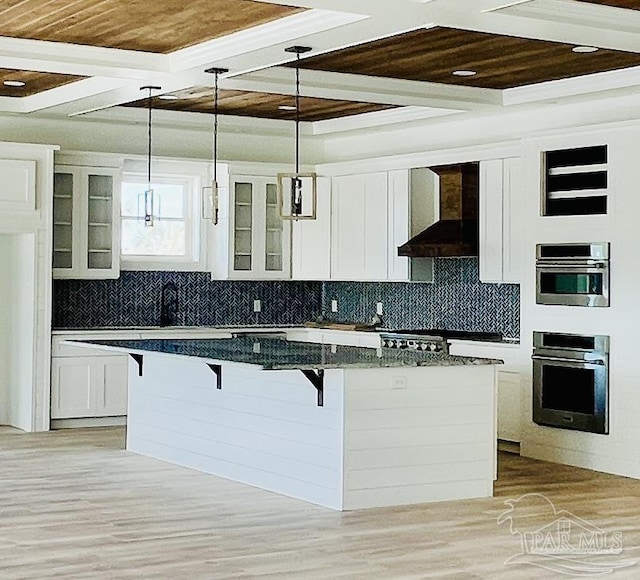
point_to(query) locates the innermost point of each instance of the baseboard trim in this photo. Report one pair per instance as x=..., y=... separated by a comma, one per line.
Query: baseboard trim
x=88, y=422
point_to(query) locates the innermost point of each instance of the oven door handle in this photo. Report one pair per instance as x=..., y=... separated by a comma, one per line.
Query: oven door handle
x=585, y=266
x=575, y=361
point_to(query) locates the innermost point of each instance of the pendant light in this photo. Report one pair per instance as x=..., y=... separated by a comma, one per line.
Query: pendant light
x=297, y=192
x=148, y=194
x=214, y=196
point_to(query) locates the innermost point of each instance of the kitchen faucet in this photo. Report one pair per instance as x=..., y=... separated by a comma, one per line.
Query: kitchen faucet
x=169, y=305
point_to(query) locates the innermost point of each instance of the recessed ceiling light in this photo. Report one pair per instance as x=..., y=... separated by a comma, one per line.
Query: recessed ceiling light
x=464, y=73
x=287, y=108
x=585, y=49
x=169, y=97
x=14, y=83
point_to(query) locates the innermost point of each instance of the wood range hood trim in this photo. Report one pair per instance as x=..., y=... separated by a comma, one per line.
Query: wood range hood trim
x=455, y=235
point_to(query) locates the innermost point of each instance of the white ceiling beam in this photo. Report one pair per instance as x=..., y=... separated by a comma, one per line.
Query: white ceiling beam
x=70, y=59
x=360, y=88
x=565, y=29
x=596, y=84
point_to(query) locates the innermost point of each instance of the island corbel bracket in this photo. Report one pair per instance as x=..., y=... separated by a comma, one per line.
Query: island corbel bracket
x=317, y=380
x=217, y=369
x=138, y=358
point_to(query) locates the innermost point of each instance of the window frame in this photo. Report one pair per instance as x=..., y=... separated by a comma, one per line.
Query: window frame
x=195, y=227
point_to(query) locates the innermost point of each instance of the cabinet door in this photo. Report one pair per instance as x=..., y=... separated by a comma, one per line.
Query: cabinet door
x=509, y=406
x=491, y=220
x=71, y=388
x=86, y=235
x=500, y=237
x=111, y=393
x=260, y=242
x=18, y=185
x=359, y=242
x=311, y=240
x=512, y=221
x=399, y=223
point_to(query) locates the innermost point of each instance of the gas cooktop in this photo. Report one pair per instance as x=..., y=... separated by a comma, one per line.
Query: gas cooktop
x=431, y=339
x=447, y=334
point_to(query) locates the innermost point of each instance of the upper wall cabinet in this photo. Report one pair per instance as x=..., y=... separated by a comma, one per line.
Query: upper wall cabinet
x=86, y=223
x=18, y=189
x=359, y=240
x=500, y=240
x=251, y=241
x=311, y=239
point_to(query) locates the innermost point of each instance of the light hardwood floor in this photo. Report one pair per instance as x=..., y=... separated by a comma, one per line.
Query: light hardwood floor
x=74, y=504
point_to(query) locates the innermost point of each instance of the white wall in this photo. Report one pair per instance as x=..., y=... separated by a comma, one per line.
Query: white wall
x=17, y=328
x=617, y=452
x=5, y=309
x=186, y=135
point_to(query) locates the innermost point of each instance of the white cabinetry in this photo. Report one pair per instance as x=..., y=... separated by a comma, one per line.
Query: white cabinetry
x=18, y=189
x=500, y=238
x=85, y=382
x=359, y=239
x=335, y=337
x=90, y=386
x=311, y=239
x=86, y=224
x=251, y=241
x=510, y=399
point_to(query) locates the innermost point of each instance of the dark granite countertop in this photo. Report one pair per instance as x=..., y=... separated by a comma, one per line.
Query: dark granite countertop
x=277, y=353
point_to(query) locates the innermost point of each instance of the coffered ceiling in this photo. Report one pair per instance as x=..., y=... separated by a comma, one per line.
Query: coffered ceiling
x=371, y=60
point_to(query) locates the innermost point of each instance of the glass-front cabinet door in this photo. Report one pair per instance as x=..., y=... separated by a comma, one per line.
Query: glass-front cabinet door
x=260, y=239
x=86, y=234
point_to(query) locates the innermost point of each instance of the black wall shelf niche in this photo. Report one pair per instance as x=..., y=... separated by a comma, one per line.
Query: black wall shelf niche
x=576, y=181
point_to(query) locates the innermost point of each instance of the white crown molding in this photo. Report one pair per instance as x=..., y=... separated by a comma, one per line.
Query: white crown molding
x=383, y=118
x=437, y=156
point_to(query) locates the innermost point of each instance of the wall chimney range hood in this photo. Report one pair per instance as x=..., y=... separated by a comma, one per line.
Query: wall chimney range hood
x=456, y=233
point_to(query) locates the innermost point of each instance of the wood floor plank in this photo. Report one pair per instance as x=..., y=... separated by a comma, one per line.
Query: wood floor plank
x=75, y=504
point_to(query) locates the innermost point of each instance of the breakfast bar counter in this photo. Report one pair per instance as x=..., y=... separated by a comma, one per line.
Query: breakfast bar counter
x=339, y=426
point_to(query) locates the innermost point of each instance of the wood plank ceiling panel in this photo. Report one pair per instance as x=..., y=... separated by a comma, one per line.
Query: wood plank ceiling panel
x=262, y=105
x=160, y=26
x=35, y=82
x=501, y=62
x=630, y=4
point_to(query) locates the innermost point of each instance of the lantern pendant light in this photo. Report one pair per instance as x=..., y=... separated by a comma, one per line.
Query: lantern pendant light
x=214, y=196
x=148, y=194
x=297, y=192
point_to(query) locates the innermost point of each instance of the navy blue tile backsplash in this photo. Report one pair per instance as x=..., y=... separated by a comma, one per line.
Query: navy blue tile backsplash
x=456, y=300
x=135, y=300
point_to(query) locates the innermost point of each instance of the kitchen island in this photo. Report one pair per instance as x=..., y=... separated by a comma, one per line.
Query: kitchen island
x=343, y=427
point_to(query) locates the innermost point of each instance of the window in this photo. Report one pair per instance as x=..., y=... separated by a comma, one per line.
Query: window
x=174, y=240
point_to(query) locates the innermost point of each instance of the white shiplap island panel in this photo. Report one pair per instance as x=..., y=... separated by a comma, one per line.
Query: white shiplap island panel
x=262, y=428
x=392, y=427
x=416, y=435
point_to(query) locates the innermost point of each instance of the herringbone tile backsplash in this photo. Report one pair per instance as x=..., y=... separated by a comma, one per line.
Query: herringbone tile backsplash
x=135, y=300
x=457, y=300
